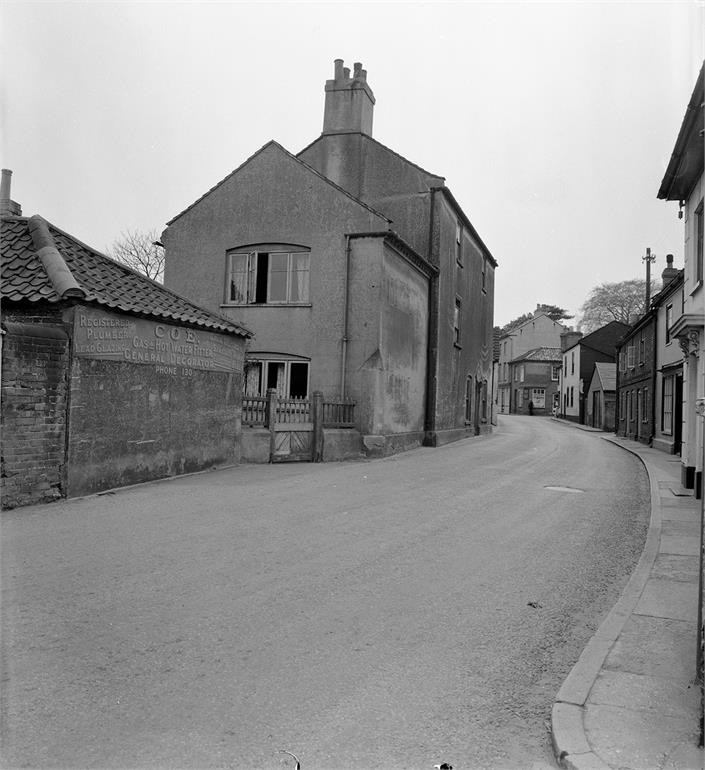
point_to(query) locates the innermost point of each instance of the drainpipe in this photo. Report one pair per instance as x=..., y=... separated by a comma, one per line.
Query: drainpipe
x=431, y=355
x=346, y=316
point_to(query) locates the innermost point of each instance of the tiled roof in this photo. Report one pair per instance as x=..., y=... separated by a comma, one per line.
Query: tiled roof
x=540, y=354
x=39, y=263
x=607, y=373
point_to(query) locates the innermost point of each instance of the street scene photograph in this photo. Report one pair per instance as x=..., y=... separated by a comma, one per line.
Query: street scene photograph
x=352, y=387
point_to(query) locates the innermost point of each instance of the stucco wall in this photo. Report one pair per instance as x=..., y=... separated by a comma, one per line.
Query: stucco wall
x=273, y=199
x=387, y=339
x=472, y=356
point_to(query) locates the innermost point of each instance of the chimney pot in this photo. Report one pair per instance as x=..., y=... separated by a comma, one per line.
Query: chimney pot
x=357, y=69
x=338, y=74
x=7, y=205
x=669, y=260
x=5, y=184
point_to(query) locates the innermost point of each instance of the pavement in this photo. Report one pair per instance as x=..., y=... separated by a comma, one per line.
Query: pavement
x=632, y=701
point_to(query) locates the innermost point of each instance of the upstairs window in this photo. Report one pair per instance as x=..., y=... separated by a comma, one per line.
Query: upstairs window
x=642, y=349
x=555, y=372
x=268, y=277
x=669, y=322
x=630, y=357
x=456, y=323
x=699, y=244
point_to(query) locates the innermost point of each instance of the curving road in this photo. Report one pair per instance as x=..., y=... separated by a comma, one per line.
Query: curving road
x=396, y=613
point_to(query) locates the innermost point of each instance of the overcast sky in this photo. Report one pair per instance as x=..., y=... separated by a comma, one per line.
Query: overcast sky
x=552, y=122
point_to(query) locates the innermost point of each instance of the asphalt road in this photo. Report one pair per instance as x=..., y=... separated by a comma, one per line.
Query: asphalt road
x=386, y=614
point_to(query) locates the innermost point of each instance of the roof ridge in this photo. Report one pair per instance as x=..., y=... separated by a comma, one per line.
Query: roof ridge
x=293, y=157
x=376, y=141
x=58, y=272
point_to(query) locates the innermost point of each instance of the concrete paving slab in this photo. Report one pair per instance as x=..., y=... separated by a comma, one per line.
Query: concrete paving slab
x=685, y=756
x=676, y=567
x=680, y=513
x=674, y=528
x=668, y=599
x=686, y=546
x=638, y=692
x=655, y=647
x=638, y=740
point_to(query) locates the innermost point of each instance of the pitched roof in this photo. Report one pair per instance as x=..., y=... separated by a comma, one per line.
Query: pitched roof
x=39, y=262
x=540, y=354
x=607, y=373
x=293, y=157
x=686, y=163
x=439, y=179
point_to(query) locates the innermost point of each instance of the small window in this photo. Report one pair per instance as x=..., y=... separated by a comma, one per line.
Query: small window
x=268, y=277
x=288, y=378
x=555, y=372
x=484, y=274
x=468, y=399
x=456, y=323
x=459, y=244
x=522, y=373
x=699, y=244
x=669, y=322
x=667, y=406
x=572, y=363
x=630, y=357
x=642, y=349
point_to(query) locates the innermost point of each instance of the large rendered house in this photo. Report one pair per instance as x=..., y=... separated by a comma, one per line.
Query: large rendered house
x=358, y=272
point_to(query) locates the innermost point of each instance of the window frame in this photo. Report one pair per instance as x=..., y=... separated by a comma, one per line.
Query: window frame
x=251, y=283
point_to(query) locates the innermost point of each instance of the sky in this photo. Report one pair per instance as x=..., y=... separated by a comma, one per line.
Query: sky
x=551, y=122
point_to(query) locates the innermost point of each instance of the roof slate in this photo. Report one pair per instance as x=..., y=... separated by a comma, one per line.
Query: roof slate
x=103, y=281
x=540, y=354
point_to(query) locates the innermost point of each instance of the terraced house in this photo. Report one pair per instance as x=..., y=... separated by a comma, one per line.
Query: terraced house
x=359, y=273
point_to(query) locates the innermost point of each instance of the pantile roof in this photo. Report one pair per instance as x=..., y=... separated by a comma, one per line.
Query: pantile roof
x=39, y=262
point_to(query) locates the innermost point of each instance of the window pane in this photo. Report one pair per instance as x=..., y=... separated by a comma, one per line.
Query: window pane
x=299, y=277
x=278, y=267
x=238, y=278
x=298, y=380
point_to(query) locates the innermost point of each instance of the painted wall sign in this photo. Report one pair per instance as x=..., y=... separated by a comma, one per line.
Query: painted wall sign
x=171, y=349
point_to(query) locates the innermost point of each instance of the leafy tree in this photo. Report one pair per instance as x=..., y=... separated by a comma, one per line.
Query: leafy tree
x=554, y=312
x=613, y=302
x=139, y=251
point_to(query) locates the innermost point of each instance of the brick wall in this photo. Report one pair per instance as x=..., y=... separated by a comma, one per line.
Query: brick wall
x=35, y=355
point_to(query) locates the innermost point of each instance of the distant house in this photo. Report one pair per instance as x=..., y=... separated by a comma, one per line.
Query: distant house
x=540, y=331
x=600, y=401
x=636, y=353
x=535, y=376
x=357, y=270
x=580, y=354
x=668, y=395
x=108, y=378
x=683, y=182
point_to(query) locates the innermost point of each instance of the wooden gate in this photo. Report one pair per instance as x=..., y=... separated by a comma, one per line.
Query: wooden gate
x=292, y=431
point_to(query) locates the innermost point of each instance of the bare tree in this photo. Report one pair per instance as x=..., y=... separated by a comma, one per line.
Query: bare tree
x=140, y=251
x=613, y=302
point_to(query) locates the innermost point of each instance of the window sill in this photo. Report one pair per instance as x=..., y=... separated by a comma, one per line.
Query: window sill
x=267, y=304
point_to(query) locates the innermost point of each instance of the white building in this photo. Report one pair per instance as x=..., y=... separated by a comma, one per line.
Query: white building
x=683, y=182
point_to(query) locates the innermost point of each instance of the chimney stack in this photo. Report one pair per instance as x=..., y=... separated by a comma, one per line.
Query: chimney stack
x=8, y=207
x=670, y=272
x=569, y=338
x=349, y=101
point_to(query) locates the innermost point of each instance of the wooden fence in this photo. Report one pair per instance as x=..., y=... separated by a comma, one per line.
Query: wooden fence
x=255, y=411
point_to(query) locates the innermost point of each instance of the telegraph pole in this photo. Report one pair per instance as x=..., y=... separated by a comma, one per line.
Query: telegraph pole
x=648, y=259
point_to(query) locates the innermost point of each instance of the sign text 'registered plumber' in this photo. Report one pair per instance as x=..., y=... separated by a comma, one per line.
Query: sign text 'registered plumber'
x=172, y=349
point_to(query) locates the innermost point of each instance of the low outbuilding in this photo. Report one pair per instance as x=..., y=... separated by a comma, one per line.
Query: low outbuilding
x=108, y=378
